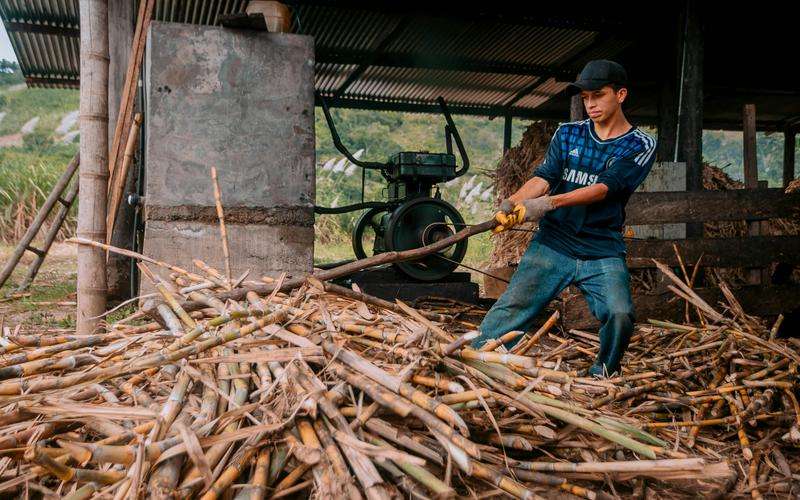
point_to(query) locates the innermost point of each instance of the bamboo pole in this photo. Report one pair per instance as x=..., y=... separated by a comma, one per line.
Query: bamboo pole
x=221, y=216
x=93, y=170
x=116, y=187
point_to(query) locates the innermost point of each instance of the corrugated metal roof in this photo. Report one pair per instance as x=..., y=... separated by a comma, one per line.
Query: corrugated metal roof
x=45, y=37
x=43, y=34
x=364, y=56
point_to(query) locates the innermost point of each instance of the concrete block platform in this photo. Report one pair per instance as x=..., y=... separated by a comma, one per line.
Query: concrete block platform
x=243, y=102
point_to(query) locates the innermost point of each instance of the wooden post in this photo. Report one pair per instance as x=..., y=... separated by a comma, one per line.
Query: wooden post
x=93, y=170
x=507, y=133
x=576, y=110
x=749, y=146
x=667, y=122
x=750, y=163
x=668, y=93
x=690, y=123
x=789, y=143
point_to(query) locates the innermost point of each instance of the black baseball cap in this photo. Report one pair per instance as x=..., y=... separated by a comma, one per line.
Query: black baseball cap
x=597, y=74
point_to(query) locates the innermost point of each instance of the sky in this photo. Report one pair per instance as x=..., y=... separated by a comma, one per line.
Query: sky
x=6, y=52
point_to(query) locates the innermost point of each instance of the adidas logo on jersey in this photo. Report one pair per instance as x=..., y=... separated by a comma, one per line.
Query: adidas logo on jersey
x=574, y=153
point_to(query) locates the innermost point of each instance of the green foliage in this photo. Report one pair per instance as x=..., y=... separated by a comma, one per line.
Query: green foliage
x=10, y=73
x=724, y=149
x=38, y=141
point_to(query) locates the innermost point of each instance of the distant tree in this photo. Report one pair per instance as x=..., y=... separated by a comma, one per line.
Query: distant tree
x=10, y=73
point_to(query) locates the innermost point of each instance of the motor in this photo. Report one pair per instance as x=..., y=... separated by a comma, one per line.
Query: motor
x=414, y=214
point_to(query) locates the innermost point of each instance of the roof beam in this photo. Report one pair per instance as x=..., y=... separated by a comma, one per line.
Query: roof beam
x=534, y=14
x=572, y=59
x=45, y=29
x=53, y=82
x=524, y=113
x=421, y=107
x=371, y=56
x=436, y=62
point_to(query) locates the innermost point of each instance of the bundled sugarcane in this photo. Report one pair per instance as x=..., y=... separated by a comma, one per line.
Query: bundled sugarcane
x=262, y=390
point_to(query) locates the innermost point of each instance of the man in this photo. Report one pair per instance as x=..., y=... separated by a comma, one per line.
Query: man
x=578, y=196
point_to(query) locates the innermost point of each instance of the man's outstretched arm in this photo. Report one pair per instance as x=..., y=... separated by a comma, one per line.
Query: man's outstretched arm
x=534, y=188
x=582, y=196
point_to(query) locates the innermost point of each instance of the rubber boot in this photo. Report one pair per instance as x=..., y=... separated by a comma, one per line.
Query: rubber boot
x=614, y=338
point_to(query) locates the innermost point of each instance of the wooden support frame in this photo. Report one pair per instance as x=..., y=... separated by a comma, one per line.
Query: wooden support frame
x=740, y=204
x=750, y=164
x=789, y=145
x=690, y=98
x=55, y=196
x=507, y=129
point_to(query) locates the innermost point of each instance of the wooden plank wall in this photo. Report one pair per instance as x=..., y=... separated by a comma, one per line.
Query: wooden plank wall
x=756, y=252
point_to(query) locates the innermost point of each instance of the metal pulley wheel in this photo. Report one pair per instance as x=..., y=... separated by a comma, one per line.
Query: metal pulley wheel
x=420, y=222
x=368, y=233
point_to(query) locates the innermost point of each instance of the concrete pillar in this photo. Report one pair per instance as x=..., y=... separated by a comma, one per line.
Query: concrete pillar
x=243, y=102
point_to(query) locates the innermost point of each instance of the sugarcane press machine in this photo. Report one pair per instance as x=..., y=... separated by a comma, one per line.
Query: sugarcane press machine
x=413, y=214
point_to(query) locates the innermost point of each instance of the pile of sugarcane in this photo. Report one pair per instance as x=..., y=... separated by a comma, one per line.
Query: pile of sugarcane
x=300, y=387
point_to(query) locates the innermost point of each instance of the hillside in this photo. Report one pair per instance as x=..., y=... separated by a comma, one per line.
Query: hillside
x=38, y=136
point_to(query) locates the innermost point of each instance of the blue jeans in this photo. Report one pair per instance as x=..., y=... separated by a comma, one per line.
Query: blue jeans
x=542, y=274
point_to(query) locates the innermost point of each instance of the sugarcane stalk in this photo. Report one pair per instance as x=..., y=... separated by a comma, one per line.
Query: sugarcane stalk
x=421, y=475
x=46, y=352
x=335, y=458
x=83, y=493
x=364, y=469
x=66, y=473
x=560, y=483
x=438, y=383
x=404, y=375
x=503, y=339
x=525, y=346
x=151, y=361
x=396, y=385
x=386, y=431
x=403, y=407
x=461, y=397
x=233, y=470
x=47, y=365
x=662, y=465
x=258, y=484
x=503, y=482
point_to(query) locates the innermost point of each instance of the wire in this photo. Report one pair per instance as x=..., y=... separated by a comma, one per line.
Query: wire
x=456, y=262
x=472, y=268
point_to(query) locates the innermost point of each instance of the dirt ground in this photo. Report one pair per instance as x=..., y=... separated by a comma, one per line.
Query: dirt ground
x=50, y=301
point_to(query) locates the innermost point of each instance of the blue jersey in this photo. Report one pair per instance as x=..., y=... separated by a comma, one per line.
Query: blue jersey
x=577, y=158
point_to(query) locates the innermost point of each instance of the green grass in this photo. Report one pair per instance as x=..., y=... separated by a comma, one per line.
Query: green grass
x=50, y=105
x=122, y=313
x=28, y=172
x=27, y=175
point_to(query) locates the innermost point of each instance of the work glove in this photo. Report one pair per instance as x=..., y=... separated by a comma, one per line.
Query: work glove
x=534, y=209
x=507, y=216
